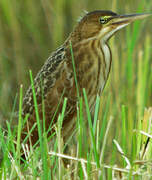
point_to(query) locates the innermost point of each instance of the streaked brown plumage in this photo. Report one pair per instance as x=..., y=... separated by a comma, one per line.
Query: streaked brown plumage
x=92, y=57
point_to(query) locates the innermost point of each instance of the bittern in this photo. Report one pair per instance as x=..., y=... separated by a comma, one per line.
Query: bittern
x=92, y=58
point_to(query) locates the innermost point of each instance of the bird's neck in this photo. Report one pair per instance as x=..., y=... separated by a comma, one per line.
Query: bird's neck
x=105, y=63
x=106, y=54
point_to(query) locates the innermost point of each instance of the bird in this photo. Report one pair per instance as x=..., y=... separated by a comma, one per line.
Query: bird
x=86, y=46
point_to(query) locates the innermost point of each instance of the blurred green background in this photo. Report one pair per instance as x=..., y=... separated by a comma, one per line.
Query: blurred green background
x=31, y=29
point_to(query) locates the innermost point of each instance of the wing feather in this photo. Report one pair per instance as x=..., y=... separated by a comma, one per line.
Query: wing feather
x=45, y=78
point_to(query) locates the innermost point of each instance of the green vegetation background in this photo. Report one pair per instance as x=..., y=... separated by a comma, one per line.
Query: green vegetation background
x=31, y=29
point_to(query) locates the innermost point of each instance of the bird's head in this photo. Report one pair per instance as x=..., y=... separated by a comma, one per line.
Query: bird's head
x=102, y=25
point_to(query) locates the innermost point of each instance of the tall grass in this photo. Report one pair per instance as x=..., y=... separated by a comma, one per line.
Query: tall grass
x=29, y=31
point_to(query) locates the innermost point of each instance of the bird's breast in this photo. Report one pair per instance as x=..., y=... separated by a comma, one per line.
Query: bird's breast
x=105, y=59
x=92, y=62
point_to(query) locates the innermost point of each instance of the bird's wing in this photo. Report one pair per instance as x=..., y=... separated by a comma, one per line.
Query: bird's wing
x=46, y=78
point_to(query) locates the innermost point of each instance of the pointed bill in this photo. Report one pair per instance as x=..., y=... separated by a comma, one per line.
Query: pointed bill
x=128, y=18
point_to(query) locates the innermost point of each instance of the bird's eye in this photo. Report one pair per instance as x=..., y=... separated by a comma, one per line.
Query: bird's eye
x=103, y=20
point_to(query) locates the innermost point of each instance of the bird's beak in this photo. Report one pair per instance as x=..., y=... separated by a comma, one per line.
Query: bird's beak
x=118, y=22
x=128, y=18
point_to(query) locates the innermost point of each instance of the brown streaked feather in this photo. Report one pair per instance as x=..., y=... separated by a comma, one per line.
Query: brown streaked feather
x=57, y=82
x=45, y=78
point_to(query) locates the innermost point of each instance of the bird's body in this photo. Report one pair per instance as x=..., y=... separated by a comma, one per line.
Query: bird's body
x=57, y=81
x=92, y=57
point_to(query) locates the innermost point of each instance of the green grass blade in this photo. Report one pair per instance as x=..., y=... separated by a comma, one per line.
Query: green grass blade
x=96, y=113
x=91, y=130
x=19, y=124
